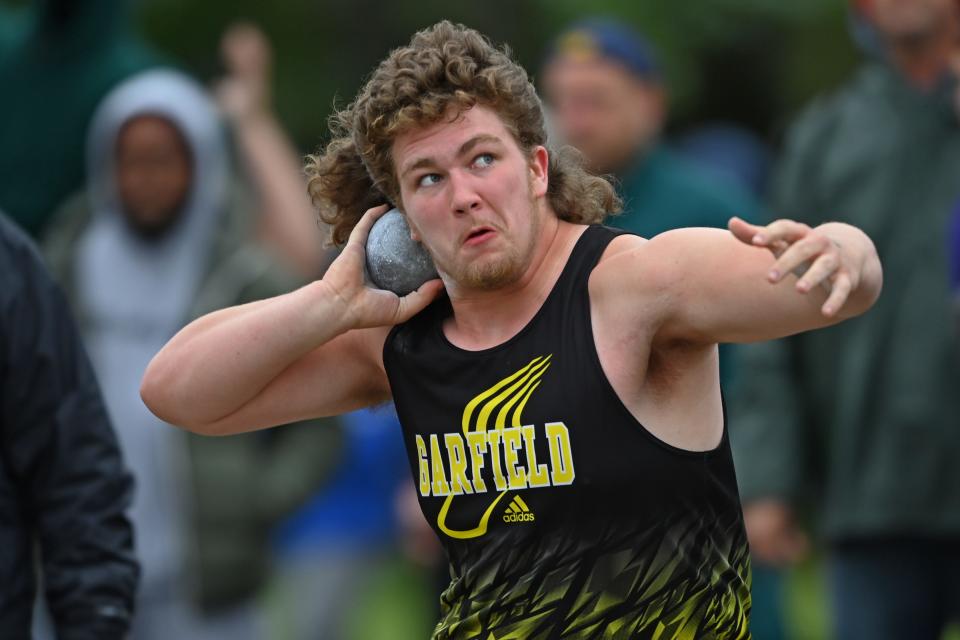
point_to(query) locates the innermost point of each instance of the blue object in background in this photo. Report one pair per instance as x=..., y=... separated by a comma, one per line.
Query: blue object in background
x=953, y=249
x=731, y=151
x=356, y=508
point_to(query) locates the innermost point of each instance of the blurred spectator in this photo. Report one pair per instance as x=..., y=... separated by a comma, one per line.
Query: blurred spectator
x=163, y=235
x=879, y=460
x=337, y=555
x=288, y=223
x=63, y=487
x=58, y=58
x=953, y=240
x=606, y=96
x=734, y=153
x=607, y=99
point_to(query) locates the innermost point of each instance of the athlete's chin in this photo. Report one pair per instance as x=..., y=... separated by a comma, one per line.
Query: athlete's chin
x=491, y=274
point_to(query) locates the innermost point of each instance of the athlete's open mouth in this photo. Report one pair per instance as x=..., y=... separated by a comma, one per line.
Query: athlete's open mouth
x=479, y=235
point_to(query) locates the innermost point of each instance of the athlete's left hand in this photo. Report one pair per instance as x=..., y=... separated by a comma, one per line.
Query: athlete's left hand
x=834, y=255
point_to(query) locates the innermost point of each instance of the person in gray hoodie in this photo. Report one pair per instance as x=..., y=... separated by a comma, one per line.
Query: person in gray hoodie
x=164, y=234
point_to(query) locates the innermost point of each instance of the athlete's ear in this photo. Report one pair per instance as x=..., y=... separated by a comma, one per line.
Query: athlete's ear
x=539, y=170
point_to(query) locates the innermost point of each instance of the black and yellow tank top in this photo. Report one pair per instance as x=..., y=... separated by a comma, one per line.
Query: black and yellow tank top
x=561, y=515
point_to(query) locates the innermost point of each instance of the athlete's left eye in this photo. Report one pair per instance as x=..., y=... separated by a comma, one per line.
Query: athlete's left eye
x=483, y=160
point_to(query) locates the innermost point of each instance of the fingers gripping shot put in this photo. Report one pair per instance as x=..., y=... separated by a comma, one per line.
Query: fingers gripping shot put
x=557, y=383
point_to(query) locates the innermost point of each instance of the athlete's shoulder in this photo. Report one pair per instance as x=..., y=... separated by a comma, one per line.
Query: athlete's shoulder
x=621, y=243
x=616, y=261
x=640, y=269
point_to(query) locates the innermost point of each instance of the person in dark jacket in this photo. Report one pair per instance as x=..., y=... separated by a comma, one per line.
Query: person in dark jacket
x=64, y=489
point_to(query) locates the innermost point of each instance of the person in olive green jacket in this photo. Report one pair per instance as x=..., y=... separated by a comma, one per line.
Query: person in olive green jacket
x=879, y=462
x=162, y=235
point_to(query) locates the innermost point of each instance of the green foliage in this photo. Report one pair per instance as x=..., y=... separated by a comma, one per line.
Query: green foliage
x=751, y=61
x=806, y=608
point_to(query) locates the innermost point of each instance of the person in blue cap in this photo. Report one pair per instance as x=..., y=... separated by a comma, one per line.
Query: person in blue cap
x=604, y=88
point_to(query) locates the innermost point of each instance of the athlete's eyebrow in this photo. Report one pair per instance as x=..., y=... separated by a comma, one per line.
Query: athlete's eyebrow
x=464, y=149
x=475, y=140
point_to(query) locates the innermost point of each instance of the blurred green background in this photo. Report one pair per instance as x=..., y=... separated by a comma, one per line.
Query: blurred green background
x=753, y=62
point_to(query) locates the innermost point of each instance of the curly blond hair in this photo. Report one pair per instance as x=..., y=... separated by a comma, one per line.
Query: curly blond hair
x=447, y=66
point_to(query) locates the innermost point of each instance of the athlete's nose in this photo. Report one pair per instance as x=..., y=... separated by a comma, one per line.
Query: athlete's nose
x=464, y=197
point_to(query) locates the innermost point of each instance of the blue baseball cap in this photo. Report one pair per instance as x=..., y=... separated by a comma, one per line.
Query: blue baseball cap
x=605, y=38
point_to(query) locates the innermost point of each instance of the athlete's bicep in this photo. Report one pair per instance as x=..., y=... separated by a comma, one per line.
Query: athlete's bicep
x=342, y=375
x=711, y=288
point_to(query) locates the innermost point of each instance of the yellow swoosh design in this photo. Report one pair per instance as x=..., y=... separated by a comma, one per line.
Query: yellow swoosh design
x=472, y=405
x=510, y=393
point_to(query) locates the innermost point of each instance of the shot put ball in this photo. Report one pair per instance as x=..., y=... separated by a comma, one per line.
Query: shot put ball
x=394, y=260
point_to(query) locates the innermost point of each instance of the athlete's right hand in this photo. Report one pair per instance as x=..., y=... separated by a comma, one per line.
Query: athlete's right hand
x=363, y=305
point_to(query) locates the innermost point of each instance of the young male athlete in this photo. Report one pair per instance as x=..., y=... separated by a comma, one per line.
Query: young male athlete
x=560, y=403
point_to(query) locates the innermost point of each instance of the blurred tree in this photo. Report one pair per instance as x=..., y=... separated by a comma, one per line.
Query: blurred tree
x=57, y=60
x=753, y=62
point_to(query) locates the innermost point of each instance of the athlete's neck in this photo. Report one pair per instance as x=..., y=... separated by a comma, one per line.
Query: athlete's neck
x=484, y=319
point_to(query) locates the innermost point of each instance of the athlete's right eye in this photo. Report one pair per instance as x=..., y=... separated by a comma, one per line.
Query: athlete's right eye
x=428, y=180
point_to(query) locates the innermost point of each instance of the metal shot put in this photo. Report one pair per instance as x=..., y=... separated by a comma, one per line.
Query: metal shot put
x=395, y=261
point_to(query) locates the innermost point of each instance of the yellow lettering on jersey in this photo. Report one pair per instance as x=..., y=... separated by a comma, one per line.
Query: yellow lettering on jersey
x=561, y=457
x=493, y=439
x=512, y=441
x=424, y=466
x=459, y=483
x=538, y=473
x=477, y=444
x=440, y=486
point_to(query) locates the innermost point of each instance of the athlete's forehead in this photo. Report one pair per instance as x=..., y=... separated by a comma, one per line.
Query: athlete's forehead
x=448, y=138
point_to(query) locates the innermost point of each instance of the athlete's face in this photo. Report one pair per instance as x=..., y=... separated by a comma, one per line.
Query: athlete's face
x=472, y=197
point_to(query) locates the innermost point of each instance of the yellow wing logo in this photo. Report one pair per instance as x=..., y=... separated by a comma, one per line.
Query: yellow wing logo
x=504, y=400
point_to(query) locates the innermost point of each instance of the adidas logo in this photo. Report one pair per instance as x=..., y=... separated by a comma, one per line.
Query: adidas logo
x=518, y=511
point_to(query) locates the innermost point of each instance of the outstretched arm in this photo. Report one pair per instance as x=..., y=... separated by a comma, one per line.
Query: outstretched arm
x=315, y=351
x=752, y=283
x=837, y=257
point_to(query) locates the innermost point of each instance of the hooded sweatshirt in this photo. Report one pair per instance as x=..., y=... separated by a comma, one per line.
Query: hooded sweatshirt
x=137, y=292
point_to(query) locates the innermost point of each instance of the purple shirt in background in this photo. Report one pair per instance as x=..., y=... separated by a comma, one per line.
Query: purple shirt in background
x=953, y=249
